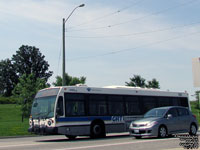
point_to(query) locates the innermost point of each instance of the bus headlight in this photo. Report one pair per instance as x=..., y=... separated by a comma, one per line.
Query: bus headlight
x=30, y=122
x=49, y=122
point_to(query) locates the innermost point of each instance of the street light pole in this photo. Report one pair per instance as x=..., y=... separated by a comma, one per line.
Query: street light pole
x=63, y=75
x=64, y=21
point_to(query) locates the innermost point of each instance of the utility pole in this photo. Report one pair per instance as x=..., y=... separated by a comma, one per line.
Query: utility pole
x=64, y=21
x=63, y=75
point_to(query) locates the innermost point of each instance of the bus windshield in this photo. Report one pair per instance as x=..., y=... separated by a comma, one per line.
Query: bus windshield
x=43, y=107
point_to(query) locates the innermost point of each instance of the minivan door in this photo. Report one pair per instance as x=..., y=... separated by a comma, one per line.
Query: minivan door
x=173, y=122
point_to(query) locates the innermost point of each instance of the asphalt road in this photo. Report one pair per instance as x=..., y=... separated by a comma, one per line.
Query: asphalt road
x=111, y=142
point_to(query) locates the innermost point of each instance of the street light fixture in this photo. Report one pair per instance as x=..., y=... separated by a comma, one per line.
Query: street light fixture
x=64, y=21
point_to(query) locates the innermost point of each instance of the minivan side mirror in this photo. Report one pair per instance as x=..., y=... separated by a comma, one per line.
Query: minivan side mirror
x=169, y=116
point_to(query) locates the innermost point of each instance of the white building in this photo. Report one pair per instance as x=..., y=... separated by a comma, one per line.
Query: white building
x=196, y=71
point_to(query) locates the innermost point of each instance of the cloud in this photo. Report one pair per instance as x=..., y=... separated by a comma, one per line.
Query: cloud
x=52, y=12
x=42, y=11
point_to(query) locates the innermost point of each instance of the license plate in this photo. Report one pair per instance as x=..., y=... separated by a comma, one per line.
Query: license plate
x=136, y=131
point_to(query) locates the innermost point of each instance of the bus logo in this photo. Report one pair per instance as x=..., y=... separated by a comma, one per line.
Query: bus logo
x=117, y=118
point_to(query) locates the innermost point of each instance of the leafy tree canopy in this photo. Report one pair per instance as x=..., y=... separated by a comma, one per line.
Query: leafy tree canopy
x=26, y=89
x=153, y=84
x=8, y=77
x=29, y=60
x=197, y=95
x=69, y=80
x=138, y=81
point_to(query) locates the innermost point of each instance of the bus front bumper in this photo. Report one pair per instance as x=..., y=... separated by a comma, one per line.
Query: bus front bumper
x=43, y=130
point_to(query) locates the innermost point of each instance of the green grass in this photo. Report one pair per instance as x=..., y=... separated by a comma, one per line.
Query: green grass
x=10, y=121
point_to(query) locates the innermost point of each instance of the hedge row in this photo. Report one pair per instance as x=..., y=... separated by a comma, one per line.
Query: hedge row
x=8, y=100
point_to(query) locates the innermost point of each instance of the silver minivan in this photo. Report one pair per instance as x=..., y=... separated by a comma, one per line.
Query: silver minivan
x=165, y=121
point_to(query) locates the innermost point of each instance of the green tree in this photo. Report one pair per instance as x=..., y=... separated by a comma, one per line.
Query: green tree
x=29, y=60
x=153, y=84
x=8, y=77
x=26, y=89
x=136, y=81
x=69, y=80
x=197, y=95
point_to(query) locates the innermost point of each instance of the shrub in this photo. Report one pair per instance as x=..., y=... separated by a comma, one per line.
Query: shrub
x=8, y=100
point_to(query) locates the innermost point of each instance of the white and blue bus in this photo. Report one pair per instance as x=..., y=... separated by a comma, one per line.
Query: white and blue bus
x=81, y=110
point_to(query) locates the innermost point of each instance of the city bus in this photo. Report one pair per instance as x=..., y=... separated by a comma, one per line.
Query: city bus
x=90, y=111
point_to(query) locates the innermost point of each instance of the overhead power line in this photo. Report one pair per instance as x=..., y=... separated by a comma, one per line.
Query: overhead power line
x=131, y=49
x=107, y=15
x=136, y=19
x=137, y=33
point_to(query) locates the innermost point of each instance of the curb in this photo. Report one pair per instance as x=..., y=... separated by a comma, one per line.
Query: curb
x=20, y=136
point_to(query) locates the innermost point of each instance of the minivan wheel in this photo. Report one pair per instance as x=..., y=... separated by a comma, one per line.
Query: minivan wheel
x=162, y=132
x=193, y=129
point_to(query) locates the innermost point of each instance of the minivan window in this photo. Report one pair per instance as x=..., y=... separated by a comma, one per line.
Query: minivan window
x=155, y=113
x=173, y=112
x=182, y=112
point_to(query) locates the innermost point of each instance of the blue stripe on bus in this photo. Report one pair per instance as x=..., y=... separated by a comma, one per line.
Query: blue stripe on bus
x=83, y=118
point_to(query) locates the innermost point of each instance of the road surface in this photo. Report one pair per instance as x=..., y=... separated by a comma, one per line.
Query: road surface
x=111, y=142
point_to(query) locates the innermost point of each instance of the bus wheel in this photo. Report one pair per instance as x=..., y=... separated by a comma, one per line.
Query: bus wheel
x=71, y=137
x=138, y=137
x=97, y=130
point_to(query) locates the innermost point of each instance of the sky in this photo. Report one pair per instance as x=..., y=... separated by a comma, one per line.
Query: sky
x=108, y=41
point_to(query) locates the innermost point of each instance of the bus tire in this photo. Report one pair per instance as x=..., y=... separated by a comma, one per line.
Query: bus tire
x=97, y=130
x=71, y=137
x=138, y=137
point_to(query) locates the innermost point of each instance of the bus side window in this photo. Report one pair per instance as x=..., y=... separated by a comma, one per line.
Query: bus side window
x=176, y=101
x=59, y=110
x=184, y=102
x=115, y=105
x=149, y=103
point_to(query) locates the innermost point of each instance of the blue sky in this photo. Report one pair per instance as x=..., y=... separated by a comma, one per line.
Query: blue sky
x=151, y=38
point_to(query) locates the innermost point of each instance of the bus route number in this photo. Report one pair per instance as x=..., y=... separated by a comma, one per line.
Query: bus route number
x=117, y=118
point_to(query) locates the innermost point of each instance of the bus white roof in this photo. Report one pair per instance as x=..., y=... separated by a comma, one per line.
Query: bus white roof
x=121, y=90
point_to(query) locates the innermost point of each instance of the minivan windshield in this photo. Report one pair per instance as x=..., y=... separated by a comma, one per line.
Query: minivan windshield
x=155, y=113
x=43, y=107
